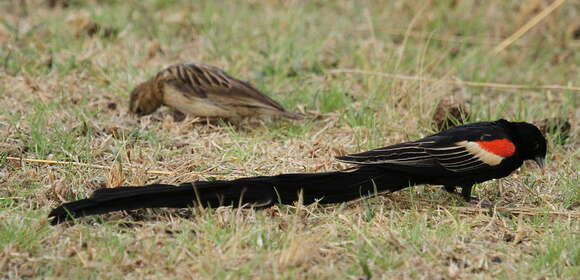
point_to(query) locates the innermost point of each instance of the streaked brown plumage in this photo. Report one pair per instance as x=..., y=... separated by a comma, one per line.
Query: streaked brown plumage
x=205, y=91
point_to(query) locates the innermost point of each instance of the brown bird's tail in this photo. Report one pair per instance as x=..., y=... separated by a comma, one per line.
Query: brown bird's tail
x=329, y=187
x=293, y=115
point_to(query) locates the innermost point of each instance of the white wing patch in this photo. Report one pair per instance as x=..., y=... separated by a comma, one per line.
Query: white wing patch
x=480, y=153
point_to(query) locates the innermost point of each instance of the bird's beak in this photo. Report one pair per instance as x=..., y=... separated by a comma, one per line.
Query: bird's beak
x=540, y=161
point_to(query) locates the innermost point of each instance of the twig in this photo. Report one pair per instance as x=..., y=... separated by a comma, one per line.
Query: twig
x=453, y=82
x=157, y=172
x=531, y=23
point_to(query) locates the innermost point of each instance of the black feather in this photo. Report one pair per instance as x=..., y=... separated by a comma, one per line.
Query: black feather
x=329, y=187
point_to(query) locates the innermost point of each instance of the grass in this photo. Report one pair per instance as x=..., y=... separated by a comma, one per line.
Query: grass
x=65, y=91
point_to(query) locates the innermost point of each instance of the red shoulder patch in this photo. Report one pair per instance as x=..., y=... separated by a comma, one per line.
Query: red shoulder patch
x=501, y=147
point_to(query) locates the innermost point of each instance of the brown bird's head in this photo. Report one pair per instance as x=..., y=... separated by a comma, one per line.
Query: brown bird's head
x=145, y=99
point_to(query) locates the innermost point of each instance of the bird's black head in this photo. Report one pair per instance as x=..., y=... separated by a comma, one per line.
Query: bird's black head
x=531, y=142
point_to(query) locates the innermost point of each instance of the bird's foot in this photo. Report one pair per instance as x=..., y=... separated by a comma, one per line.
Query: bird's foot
x=177, y=116
x=474, y=201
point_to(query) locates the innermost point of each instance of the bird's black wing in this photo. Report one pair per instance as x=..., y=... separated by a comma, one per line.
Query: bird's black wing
x=456, y=151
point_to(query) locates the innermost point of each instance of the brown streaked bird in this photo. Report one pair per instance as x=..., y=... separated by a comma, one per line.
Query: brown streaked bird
x=205, y=91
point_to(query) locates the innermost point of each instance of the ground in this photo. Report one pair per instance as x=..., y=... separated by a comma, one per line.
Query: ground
x=66, y=72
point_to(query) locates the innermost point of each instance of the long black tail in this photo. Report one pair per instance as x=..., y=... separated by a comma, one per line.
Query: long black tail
x=329, y=187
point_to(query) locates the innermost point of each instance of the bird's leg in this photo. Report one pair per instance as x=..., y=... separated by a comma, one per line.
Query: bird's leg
x=466, y=193
x=450, y=189
x=177, y=116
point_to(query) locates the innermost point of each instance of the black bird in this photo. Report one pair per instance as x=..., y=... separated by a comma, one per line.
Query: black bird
x=458, y=157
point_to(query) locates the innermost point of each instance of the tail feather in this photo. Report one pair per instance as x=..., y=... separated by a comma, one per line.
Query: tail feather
x=329, y=187
x=293, y=115
x=124, y=198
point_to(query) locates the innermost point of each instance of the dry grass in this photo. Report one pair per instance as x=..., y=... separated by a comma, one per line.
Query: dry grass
x=65, y=74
